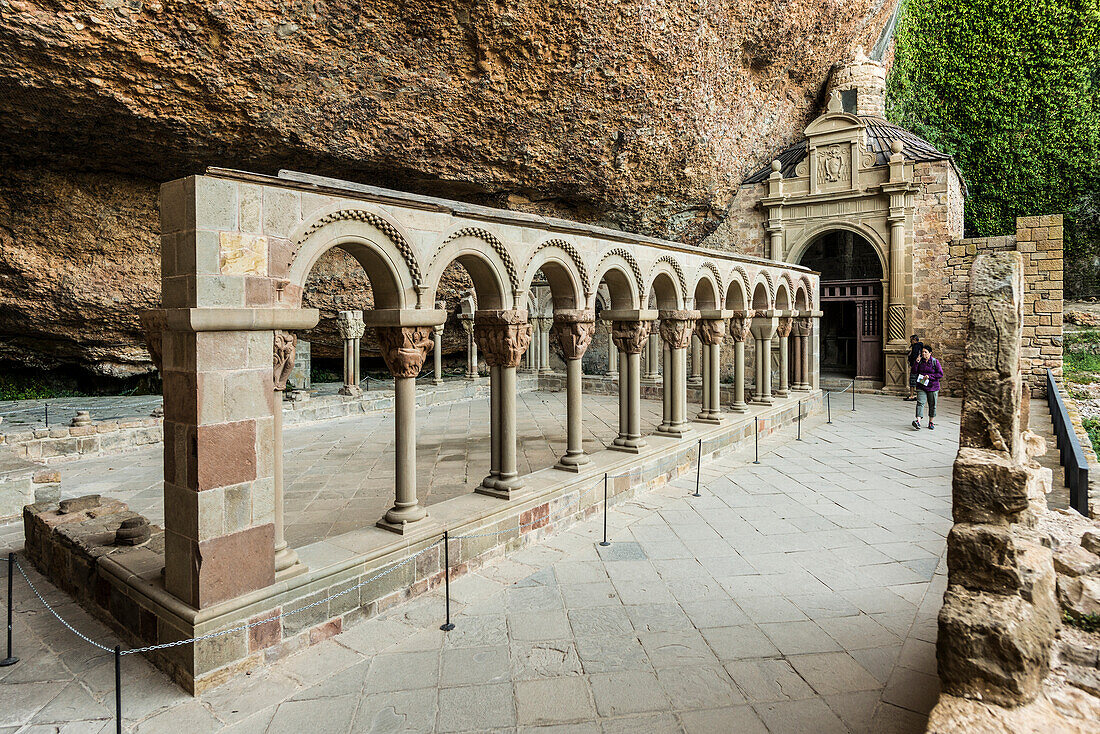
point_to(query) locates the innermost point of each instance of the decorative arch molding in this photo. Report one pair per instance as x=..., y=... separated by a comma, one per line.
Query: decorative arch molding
x=383, y=225
x=769, y=286
x=880, y=246
x=741, y=277
x=494, y=242
x=786, y=282
x=806, y=284
x=721, y=294
x=681, y=280
x=569, y=249
x=635, y=269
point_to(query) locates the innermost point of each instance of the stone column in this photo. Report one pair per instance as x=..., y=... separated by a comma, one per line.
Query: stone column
x=467, y=322
x=545, y=324
x=350, y=325
x=801, y=334
x=739, y=332
x=812, y=353
x=783, y=330
x=572, y=332
x=404, y=349
x=503, y=336
x=612, y=353
x=697, y=362
x=676, y=331
x=653, y=358
x=285, y=341
x=764, y=326
x=711, y=333
x=437, y=354
x=630, y=337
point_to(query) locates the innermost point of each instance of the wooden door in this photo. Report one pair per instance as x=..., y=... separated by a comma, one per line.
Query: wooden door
x=869, y=339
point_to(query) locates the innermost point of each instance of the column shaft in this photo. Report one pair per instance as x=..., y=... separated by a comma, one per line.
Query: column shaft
x=784, y=366
x=284, y=556
x=574, y=453
x=490, y=482
x=697, y=367
x=437, y=349
x=509, y=473
x=634, y=399
x=405, y=508
x=624, y=400
x=739, y=405
x=715, y=362
x=666, y=393
x=704, y=387
x=766, y=370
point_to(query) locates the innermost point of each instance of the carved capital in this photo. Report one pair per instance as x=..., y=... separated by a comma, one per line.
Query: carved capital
x=153, y=323
x=572, y=332
x=283, y=363
x=545, y=323
x=677, y=327
x=740, y=325
x=502, y=336
x=631, y=337
x=802, y=326
x=466, y=321
x=786, y=323
x=711, y=331
x=404, y=348
x=350, y=324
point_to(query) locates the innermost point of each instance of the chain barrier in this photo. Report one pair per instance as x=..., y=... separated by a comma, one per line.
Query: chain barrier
x=51, y=610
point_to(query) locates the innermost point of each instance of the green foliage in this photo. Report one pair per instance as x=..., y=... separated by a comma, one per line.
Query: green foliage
x=1086, y=622
x=1092, y=428
x=1081, y=367
x=23, y=387
x=1086, y=338
x=1011, y=90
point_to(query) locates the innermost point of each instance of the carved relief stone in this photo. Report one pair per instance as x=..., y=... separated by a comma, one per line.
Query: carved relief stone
x=153, y=322
x=711, y=331
x=631, y=337
x=802, y=326
x=783, y=329
x=404, y=348
x=572, y=331
x=283, y=363
x=502, y=336
x=677, y=327
x=741, y=324
x=350, y=324
x=831, y=164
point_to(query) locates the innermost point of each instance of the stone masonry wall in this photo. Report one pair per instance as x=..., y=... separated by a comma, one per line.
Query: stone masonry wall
x=942, y=307
x=1000, y=613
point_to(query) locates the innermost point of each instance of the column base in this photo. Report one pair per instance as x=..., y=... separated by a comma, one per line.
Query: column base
x=763, y=401
x=424, y=527
x=351, y=391
x=288, y=565
x=675, y=431
x=437, y=382
x=739, y=408
x=398, y=519
x=709, y=418
x=781, y=393
x=497, y=487
x=472, y=377
x=572, y=463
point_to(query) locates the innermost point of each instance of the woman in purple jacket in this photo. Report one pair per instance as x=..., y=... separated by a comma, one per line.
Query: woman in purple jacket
x=929, y=372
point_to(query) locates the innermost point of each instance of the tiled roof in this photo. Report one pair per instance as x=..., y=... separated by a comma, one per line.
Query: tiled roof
x=880, y=134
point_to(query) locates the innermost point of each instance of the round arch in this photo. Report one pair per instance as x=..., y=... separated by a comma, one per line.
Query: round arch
x=489, y=273
x=707, y=292
x=798, y=251
x=567, y=284
x=664, y=285
x=623, y=278
x=737, y=294
x=375, y=243
x=761, y=295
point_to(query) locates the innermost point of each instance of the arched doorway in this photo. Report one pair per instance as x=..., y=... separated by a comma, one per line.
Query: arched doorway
x=851, y=304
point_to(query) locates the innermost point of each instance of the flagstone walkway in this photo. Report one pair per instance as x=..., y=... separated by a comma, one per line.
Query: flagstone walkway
x=797, y=595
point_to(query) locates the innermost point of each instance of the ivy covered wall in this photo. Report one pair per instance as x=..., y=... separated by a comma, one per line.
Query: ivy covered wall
x=1012, y=90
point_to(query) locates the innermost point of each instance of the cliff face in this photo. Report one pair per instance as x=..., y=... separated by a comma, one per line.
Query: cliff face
x=640, y=114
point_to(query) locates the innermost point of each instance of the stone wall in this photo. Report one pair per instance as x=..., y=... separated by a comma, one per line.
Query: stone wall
x=1000, y=612
x=943, y=297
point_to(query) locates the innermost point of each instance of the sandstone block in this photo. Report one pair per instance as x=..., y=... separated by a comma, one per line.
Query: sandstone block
x=1080, y=595
x=993, y=648
x=1076, y=561
x=79, y=504
x=1090, y=541
x=988, y=487
x=998, y=559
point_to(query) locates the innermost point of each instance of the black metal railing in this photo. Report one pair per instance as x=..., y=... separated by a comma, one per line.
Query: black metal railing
x=1071, y=455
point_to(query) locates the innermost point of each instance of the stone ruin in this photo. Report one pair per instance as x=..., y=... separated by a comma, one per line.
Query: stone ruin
x=999, y=625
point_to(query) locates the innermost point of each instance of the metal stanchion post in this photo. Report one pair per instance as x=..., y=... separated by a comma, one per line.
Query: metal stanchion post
x=118, y=689
x=47, y=415
x=853, y=394
x=698, y=468
x=10, y=659
x=757, y=442
x=799, y=421
x=829, y=406
x=447, y=626
x=604, y=541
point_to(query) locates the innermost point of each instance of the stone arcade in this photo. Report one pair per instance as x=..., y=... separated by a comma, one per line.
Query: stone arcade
x=237, y=249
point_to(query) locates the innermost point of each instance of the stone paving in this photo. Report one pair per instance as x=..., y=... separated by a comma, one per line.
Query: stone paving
x=339, y=473
x=798, y=595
